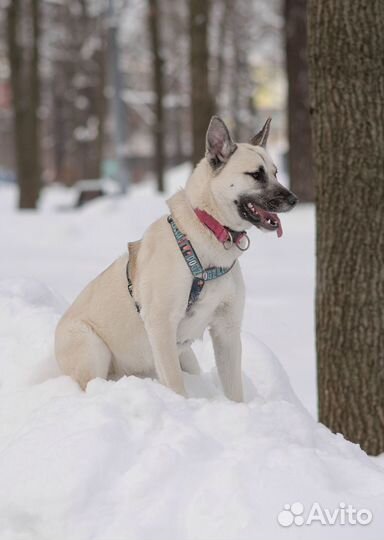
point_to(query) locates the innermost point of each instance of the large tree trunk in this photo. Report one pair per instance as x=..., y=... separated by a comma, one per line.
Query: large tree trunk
x=299, y=129
x=25, y=84
x=202, y=107
x=158, y=87
x=346, y=52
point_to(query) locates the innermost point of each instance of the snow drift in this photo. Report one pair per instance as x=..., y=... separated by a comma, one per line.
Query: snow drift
x=131, y=460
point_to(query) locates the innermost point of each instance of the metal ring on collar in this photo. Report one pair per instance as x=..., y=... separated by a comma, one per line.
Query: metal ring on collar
x=247, y=245
x=228, y=243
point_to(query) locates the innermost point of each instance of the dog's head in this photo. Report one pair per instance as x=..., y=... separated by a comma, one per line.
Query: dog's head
x=243, y=180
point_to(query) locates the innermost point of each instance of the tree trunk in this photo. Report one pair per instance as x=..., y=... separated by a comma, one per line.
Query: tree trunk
x=158, y=87
x=299, y=129
x=119, y=109
x=202, y=107
x=221, y=60
x=25, y=85
x=100, y=104
x=34, y=106
x=346, y=53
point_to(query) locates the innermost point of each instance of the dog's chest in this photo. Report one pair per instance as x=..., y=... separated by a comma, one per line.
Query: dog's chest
x=201, y=313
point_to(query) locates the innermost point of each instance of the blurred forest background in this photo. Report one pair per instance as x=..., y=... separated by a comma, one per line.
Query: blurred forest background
x=93, y=89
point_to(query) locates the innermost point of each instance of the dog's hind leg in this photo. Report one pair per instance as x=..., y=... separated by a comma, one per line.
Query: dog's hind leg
x=80, y=352
x=188, y=361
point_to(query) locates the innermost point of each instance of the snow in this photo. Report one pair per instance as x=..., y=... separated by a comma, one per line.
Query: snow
x=130, y=460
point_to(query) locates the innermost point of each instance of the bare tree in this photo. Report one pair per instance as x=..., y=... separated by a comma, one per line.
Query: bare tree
x=202, y=106
x=158, y=86
x=23, y=52
x=241, y=87
x=242, y=51
x=74, y=58
x=299, y=129
x=224, y=16
x=346, y=53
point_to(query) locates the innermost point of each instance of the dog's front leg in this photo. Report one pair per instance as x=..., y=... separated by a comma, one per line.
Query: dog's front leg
x=227, y=348
x=162, y=338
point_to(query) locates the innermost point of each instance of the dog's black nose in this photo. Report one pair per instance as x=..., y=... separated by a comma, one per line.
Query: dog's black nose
x=292, y=199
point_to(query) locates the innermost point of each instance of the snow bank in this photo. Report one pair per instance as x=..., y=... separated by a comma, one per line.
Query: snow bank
x=130, y=460
x=29, y=312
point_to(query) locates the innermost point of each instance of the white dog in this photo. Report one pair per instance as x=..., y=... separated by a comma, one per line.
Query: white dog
x=141, y=315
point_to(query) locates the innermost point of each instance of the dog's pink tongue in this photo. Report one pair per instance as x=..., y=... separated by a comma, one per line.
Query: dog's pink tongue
x=279, y=228
x=268, y=215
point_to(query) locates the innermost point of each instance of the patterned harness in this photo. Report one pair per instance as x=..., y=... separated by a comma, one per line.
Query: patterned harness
x=200, y=274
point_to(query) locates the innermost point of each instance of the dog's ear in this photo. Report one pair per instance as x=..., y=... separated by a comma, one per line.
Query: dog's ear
x=261, y=138
x=218, y=143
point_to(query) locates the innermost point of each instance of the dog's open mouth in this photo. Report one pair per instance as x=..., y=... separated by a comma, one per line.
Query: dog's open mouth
x=261, y=218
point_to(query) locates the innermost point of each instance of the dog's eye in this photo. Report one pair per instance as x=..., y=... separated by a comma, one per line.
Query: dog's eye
x=258, y=175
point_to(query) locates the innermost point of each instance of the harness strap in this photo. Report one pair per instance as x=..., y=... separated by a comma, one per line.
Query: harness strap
x=133, y=249
x=200, y=275
x=130, y=287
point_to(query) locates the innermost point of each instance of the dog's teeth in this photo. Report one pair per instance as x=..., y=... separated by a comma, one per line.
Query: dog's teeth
x=253, y=208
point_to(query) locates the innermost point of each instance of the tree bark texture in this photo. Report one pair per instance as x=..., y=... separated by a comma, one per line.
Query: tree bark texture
x=346, y=53
x=299, y=127
x=202, y=106
x=158, y=87
x=25, y=85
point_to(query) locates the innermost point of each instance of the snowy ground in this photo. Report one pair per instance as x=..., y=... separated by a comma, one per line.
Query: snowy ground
x=130, y=460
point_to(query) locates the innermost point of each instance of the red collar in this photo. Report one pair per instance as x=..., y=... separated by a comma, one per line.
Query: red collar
x=225, y=235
